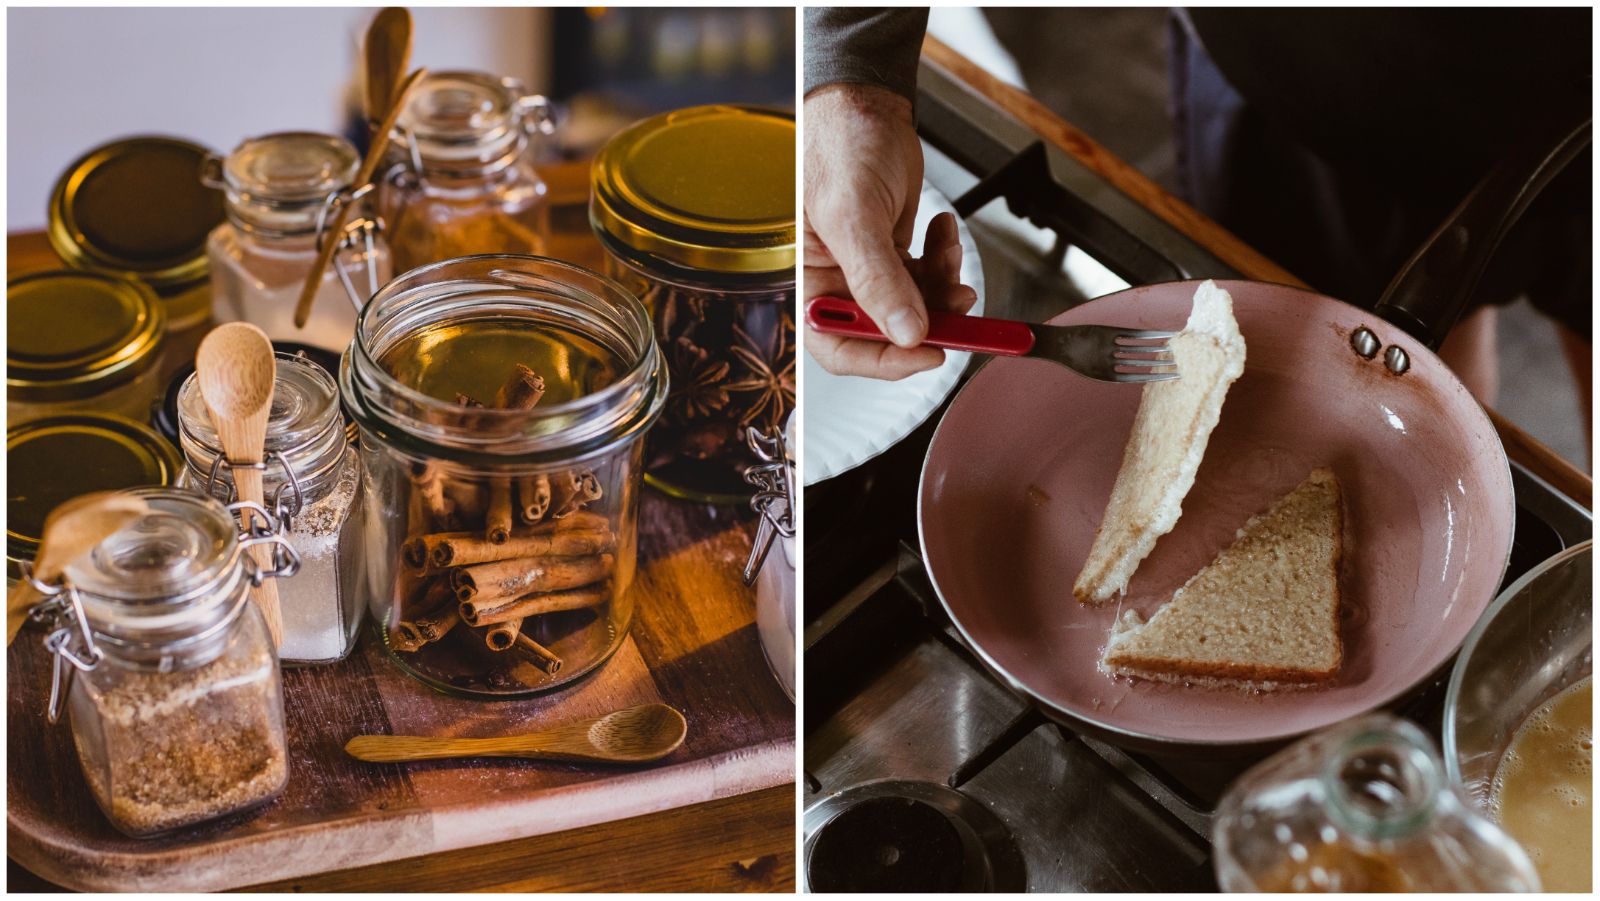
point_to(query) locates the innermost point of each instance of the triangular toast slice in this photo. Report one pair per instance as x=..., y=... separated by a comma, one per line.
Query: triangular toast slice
x=1163, y=452
x=1263, y=613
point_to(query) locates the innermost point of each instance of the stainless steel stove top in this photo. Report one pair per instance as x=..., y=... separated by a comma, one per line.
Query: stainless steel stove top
x=923, y=771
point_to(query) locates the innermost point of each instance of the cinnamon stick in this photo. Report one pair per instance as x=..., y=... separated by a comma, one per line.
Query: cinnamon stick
x=467, y=501
x=485, y=612
x=533, y=497
x=510, y=578
x=522, y=389
x=497, y=527
x=443, y=550
x=503, y=635
x=541, y=656
x=427, y=481
x=570, y=491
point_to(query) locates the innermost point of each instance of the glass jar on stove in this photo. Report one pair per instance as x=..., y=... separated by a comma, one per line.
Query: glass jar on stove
x=465, y=183
x=1364, y=806
x=695, y=209
x=501, y=401
x=313, y=480
x=281, y=188
x=168, y=669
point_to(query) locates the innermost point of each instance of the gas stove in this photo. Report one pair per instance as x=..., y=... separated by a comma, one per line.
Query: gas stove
x=924, y=771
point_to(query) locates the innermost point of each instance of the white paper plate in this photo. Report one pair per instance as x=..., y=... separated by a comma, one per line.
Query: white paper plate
x=848, y=420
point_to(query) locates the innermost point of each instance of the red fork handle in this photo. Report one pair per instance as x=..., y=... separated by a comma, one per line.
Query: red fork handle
x=953, y=331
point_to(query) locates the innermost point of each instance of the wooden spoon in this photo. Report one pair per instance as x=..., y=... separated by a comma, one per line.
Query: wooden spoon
x=335, y=227
x=71, y=530
x=237, y=372
x=388, y=55
x=635, y=735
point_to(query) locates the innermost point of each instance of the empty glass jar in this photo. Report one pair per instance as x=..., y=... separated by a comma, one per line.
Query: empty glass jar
x=695, y=209
x=465, y=183
x=501, y=401
x=312, y=480
x=172, y=684
x=281, y=189
x=1362, y=807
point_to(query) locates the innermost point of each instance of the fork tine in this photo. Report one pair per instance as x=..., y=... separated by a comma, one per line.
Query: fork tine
x=1134, y=334
x=1122, y=350
x=1132, y=377
x=1145, y=364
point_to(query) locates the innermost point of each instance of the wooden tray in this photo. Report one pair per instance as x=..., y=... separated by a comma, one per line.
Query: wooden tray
x=693, y=645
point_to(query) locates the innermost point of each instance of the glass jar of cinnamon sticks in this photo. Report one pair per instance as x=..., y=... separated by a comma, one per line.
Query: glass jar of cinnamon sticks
x=501, y=401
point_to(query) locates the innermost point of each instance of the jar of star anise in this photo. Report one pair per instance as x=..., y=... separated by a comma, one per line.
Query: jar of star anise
x=696, y=211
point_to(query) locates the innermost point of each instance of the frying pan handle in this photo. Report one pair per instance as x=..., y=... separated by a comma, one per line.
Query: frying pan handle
x=952, y=331
x=1431, y=290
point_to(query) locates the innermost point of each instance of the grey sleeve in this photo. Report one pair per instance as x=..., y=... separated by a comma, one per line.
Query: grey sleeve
x=868, y=45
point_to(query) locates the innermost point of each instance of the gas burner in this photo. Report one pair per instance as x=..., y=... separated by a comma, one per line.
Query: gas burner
x=896, y=836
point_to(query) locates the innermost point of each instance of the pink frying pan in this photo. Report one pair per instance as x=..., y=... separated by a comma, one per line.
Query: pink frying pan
x=1021, y=467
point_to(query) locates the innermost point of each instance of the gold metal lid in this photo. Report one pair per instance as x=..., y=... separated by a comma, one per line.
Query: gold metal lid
x=49, y=461
x=137, y=207
x=708, y=188
x=71, y=335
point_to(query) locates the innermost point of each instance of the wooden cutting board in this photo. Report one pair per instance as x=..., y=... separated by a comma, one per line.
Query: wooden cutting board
x=693, y=645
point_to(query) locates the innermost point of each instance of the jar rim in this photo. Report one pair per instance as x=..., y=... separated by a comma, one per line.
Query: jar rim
x=645, y=375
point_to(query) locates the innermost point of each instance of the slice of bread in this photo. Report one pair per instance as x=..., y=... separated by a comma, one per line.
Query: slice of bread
x=1264, y=614
x=1169, y=437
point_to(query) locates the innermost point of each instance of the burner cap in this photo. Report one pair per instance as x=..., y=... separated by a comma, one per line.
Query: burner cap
x=888, y=845
x=901, y=836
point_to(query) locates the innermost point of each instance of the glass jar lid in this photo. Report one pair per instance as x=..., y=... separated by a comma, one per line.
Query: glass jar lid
x=704, y=188
x=305, y=423
x=279, y=182
x=72, y=335
x=52, y=460
x=185, y=542
x=463, y=118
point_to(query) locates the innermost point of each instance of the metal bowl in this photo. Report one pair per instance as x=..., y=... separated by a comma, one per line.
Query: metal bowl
x=1533, y=642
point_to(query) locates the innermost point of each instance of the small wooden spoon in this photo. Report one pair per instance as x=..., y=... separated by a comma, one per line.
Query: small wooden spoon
x=387, y=52
x=237, y=372
x=369, y=167
x=635, y=735
x=71, y=530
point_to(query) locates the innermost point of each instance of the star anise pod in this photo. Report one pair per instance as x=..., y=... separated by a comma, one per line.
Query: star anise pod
x=697, y=380
x=767, y=375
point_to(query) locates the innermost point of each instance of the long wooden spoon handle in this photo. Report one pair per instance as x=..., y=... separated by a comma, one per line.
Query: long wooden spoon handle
x=335, y=228
x=402, y=748
x=248, y=481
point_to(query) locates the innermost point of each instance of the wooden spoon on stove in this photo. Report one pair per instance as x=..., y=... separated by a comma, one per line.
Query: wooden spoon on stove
x=71, y=530
x=635, y=735
x=335, y=226
x=237, y=373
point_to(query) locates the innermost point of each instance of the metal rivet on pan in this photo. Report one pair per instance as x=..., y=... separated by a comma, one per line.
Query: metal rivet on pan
x=1396, y=360
x=1365, y=342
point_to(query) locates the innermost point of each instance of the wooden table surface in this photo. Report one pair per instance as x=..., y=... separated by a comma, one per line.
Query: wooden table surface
x=693, y=644
x=1519, y=445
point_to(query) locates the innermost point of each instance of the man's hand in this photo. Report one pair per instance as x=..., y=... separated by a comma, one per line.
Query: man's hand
x=863, y=176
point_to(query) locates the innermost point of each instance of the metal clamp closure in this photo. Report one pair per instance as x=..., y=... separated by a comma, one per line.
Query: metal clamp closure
x=270, y=530
x=773, y=479
x=285, y=509
x=358, y=236
x=70, y=640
